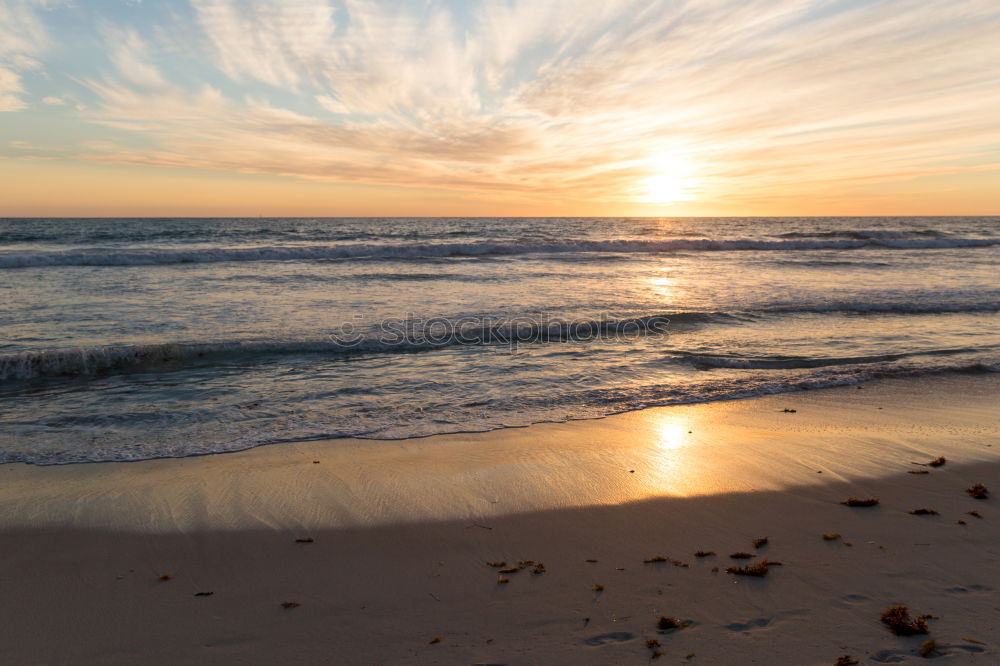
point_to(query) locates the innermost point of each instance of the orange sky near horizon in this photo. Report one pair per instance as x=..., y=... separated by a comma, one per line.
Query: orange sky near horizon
x=490, y=108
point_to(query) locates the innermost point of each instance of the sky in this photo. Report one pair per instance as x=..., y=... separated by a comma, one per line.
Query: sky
x=499, y=107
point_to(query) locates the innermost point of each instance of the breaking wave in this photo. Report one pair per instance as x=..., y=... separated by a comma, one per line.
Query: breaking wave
x=160, y=256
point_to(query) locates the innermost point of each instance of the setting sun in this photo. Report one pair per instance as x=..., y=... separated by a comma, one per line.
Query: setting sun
x=672, y=181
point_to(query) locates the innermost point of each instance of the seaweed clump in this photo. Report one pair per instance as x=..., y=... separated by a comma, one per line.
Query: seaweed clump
x=857, y=501
x=758, y=570
x=923, y=512
x=846, y=660
x=938, y=462
x=759, y=541
x=741, y=556
x=898, y=619
x=667, y=623
x=705, y=553
x=832, y=536
x=978, y=491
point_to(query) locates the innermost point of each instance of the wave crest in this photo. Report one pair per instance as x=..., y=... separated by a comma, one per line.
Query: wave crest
x=154, y=257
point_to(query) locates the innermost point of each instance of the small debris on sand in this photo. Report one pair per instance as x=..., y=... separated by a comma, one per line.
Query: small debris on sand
x=974, y=514
x=923, y=512
x=666, y=623
x=918, y=471
x=502, y=581
x=758, y=570
x=538, y=568
x=741, y=556
x=978, y=491
x=165, y=577
x=655, y=558
x=972, y=640
x=938, y=462
x=304, y=540
x=960, y=522
x=846, y=660
x=434, y=641
x=315, y=462
x=597, y=587
x=203, y=594
x=759, y=541
x=496, y=564
x=788, y=411
x=898, y=619
x=928, y=647
x=652, y=643
x=705, y=553
x=855, y=501
x=290, y=604
x=833, y=536
x=510, y=570
x=591, y=561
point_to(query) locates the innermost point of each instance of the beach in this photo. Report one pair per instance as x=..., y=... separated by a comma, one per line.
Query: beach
x=386, y=546
x=499, y=332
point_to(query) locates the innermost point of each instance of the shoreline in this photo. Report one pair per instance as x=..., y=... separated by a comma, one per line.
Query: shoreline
x=839, y=433
x=400, y=541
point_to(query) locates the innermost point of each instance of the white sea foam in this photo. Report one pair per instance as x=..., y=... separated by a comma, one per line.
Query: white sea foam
x=153, y=257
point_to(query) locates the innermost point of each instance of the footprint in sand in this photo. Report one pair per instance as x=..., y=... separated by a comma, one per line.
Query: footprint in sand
x=613, y=637
x=854, y=598
x=752, y=624
x=897, y=656
x=969, y=589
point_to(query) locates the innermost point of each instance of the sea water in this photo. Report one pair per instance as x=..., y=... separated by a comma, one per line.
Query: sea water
x=128, y=339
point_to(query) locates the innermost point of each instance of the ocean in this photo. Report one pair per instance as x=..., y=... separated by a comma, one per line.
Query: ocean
x=130, y=339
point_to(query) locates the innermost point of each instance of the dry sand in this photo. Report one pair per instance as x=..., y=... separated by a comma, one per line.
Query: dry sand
x=402, y=533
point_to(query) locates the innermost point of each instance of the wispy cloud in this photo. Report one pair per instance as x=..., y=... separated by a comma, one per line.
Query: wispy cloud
x=571, y=100
x=22, y=39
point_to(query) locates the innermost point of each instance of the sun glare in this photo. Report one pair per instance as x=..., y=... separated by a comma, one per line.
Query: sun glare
x=672, y=180
x=673, y=435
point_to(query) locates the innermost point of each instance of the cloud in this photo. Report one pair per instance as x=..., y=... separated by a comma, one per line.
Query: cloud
x=275, y=41
x=572, y=100
x=22, y=36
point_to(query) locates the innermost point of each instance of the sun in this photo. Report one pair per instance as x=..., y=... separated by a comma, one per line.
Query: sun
x=672, y=180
